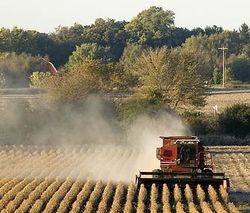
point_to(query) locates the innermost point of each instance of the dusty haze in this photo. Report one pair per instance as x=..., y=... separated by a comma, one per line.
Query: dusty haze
x=85, y=142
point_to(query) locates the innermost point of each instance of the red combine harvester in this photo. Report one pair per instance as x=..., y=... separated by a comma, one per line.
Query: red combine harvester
x=183, y=160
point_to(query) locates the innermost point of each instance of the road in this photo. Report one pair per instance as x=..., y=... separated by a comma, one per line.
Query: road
x=228, y=91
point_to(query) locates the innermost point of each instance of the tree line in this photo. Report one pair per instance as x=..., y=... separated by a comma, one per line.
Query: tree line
x=153, y=27
x=149, y=58
x=110, y=40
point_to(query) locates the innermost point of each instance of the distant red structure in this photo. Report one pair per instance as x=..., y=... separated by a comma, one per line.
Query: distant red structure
x=52, y=68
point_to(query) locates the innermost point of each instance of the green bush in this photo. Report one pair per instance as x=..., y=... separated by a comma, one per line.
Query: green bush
x=134, y=106
x=198, y=123
x=223, y=140
x=235, y=121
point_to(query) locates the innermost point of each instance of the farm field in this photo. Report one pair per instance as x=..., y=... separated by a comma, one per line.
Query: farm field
x=221, y=98
x=50, y=179
x=226, y=99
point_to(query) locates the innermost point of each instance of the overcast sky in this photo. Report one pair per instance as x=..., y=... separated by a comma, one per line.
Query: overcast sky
x=46, y=15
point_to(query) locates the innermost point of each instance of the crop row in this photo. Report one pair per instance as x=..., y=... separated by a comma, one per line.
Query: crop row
x=34, y=195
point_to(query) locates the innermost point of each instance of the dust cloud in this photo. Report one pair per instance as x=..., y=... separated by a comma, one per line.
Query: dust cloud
x=84, y=141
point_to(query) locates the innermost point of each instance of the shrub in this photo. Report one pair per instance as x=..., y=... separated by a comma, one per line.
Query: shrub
x=137, y=105
x=198, y=122
x=235, y=120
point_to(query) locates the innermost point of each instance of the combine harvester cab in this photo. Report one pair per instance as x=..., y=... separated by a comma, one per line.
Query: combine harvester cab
x=183, y=160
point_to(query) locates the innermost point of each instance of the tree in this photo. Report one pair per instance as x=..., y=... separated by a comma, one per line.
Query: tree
x=81, y=80
x=24, y=41
x=179, y=36
x=213, y=30
x=30, y=42
x=5, y=40
x=198, y=31
x=71, y=34
x=38, y=79
x=107, y=33
x=207, y=54
x=65, y=40
x=217, y=76
x=128, y=60
x=207, y=47
x=164, y=79
x=89, y=52
x=151, y=27
x=240, y=67
x=246, y=50
x=189, y=86
x=244, y=34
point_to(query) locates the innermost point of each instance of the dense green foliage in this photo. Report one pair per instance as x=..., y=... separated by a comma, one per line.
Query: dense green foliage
x=199, y=123
x=156, y=80
x=90, y=51
x=81, y=80
x=151, y=27
x=240, y=67
x=217, y=76
x=162, y=78
x=119, y=41
x=235, y=120
x=108, y=34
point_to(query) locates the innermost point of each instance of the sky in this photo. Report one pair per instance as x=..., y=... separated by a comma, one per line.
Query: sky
x=46, y=15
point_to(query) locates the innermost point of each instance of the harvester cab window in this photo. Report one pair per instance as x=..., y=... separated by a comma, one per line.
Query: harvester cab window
x=187, y=153
x=184, y=154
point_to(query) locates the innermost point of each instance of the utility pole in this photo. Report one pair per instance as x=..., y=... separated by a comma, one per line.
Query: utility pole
x=223, y=64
